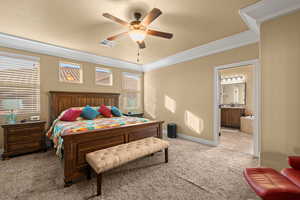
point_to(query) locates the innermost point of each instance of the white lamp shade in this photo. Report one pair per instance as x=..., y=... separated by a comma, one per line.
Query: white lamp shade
x=12, y=104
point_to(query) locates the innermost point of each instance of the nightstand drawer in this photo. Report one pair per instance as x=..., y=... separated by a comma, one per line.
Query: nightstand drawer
x=25, y=130
x=24, y=146
x=25, y=137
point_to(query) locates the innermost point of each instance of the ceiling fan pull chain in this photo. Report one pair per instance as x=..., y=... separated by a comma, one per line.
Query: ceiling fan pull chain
x=138, y=56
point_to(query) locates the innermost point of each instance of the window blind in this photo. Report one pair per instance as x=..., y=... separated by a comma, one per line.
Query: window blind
x=19, y=80
x=131, y=94
x=131, y=100
x=103, y=76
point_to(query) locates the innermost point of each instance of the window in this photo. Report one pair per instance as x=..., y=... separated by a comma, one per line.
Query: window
x=70, y=72
x=131, y=87
x=132, y=100
x=19, y=84
x=103, y=77
x=131, y=81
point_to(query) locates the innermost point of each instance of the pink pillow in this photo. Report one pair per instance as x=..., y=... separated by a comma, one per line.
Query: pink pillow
x=71, y=115
x=105, y=111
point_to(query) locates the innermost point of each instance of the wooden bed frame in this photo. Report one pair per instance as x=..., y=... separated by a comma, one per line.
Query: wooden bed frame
x=78, y=144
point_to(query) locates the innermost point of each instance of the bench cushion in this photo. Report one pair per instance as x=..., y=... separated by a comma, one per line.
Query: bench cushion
x=271, y=185
x=105, y=159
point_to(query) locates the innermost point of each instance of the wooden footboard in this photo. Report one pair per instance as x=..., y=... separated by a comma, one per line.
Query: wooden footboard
x=79, y=144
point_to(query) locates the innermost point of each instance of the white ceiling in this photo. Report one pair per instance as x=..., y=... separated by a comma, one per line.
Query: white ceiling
x=252, y=15
x=79, y=24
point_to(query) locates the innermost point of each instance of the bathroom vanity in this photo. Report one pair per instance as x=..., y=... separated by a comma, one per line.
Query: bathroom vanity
x=230, y=117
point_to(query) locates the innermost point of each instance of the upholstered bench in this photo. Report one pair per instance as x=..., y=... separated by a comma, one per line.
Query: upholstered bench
x=106, y=159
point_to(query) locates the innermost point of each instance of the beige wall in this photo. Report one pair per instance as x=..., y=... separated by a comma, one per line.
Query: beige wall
x=50, y=82
x=183, y=93
x=280, y=59
x=248, y=72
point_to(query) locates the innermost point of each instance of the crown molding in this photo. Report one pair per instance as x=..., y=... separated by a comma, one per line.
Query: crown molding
x=15, y=42
x=18, y=56
x=231, y=42
x=265, y=10
x=217, y=46
x=252, y=15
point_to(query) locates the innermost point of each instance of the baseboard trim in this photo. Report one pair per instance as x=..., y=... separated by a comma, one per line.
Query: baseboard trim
x=193, y=139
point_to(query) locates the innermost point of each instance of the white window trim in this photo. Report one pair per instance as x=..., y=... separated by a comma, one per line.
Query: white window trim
x=71, y=82
x=134, y=75
x=111, y=77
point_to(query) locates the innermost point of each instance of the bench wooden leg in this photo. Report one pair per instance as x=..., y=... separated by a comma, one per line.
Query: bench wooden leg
x=166, y=155
x=89, y=173
x=99, y=182
x=68, y=183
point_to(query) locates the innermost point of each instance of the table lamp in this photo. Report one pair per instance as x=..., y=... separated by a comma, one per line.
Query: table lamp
x=11, y=105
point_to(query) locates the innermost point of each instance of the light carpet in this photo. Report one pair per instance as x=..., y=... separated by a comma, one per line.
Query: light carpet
x=236, y=141
x=194, y=171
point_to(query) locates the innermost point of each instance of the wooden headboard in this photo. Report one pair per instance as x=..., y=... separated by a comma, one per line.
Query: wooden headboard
x=60, y=101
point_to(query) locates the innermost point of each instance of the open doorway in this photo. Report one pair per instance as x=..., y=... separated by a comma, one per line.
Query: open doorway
x=236, y=107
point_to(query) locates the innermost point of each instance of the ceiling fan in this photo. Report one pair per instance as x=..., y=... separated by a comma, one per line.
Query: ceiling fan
x=138, y=29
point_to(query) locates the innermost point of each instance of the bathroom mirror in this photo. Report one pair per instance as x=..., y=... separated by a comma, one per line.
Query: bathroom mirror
x=233, y=94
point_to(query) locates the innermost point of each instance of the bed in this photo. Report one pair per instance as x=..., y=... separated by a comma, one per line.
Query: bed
x=77, y=145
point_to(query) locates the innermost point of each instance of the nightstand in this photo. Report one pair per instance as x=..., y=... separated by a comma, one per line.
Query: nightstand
x=24, y=137
x=134, y=114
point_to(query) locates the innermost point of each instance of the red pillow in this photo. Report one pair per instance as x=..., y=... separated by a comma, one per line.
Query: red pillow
x=105, y=111
x=71, y=115
x=294, y=162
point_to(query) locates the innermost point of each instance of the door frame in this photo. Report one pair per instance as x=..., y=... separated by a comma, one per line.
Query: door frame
x=256, y=100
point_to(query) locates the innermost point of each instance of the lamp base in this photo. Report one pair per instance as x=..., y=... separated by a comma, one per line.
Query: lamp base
x=11, y=118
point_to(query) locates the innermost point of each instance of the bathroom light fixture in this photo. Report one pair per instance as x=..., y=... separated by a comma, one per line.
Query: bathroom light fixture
x=233, y=79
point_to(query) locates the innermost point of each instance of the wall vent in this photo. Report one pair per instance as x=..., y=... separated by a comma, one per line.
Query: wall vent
x=108, y=43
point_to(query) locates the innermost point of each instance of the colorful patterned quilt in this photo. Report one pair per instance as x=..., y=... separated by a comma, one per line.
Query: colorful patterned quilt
x=60, y=128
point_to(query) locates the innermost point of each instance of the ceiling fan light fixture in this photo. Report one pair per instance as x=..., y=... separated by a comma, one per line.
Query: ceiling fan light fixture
x=137, y=35
x=138, y=29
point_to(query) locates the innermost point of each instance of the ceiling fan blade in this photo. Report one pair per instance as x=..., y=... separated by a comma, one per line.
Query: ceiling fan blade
x=152, y=15
x=117, y=36
x=159, y=34
x=115, y=19
x=142, y=45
